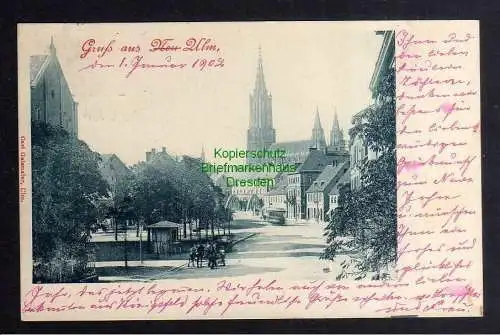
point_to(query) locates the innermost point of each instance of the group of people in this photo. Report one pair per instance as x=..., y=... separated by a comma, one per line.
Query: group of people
x=209, y=251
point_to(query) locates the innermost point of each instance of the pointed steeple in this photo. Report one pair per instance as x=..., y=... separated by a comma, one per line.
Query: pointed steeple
x=261, y=133
x=260, y=83
x=317, y=121
x=318, y=135
x=336, y=120
x=202, y=156
x=337, y=141
x=52, y=48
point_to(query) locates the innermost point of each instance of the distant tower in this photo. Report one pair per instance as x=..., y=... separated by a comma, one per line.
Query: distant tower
x=318, y=135
x=261, y=133
x=52, y=47
x=202, y=156
x=337, y=141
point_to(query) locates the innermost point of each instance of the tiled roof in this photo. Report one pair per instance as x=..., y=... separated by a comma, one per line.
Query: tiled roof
x=36, y=65
x=324, y=178
x=106, y=159
x=346, y=179
x=316, y=161
x=164, y=224
x=293, y=146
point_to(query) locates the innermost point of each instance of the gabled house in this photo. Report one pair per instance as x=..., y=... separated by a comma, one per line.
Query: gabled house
x=317, y=195
x=51, y=99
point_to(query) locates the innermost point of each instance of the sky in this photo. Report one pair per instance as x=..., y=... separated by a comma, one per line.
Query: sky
x=307, y=65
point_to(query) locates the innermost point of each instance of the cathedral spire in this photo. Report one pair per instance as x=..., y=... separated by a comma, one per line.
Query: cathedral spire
x=52, y=48
x=260, y=83
x=318, y=135
x=337, y=141
x=202, y=156
x=335, y=120
x=260, y=134
x=317, y=121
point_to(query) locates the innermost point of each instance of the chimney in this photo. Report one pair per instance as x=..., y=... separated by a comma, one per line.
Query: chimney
x=148, y=156
x=164, y=150
x=153, y=151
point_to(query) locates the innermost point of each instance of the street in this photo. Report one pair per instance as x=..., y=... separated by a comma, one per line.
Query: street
x=290, y=251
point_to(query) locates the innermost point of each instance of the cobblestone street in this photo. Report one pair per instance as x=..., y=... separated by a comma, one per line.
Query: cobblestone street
x=290, y=251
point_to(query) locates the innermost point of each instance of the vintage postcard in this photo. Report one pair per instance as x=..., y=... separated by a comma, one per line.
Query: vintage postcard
x=245, y=170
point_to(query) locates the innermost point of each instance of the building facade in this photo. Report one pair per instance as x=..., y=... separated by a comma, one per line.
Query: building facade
x=317, y=195
x=51, y=99
x=113, y=170
x=333, y=195
x=276, y=198
x=302, y=179
x=359, y=150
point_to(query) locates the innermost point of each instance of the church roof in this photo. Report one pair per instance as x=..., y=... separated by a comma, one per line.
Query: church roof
x=327, y=177
x=316, y=161
x=38, y=64
x=293, y=146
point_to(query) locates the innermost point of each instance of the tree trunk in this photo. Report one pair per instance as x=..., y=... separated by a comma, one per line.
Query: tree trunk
x=125, y=246
x=185, y=227
x=115, y=224
x=206, y=230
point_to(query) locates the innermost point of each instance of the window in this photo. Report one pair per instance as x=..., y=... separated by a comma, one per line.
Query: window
x=52, y=94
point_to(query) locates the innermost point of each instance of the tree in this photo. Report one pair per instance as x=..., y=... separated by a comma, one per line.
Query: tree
x=369, y=214
x=177, y=191
x=66, y=187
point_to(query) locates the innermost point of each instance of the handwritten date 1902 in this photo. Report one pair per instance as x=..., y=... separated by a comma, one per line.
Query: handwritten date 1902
x=202, y=63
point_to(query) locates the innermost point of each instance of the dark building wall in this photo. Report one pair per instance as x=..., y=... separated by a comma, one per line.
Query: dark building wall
x=51, y=100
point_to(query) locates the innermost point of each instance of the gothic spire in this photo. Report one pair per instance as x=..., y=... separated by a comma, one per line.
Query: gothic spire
x=318, y=136
x=336, y=120
x=260, y=84
x=317, y=121
x=202, y=156
x=52, y=48
x=337, y=141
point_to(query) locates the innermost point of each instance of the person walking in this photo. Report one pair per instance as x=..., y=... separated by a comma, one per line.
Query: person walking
x=199, y=255
x=222, y=255
x=192, y=256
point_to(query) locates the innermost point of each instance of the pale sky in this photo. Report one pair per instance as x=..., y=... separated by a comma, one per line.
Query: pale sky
x=307, y=64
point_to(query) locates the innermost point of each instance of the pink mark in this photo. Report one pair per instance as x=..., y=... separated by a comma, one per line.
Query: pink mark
x=447, y=107
x=411, y=166
x=403, y=164
x=459, y=291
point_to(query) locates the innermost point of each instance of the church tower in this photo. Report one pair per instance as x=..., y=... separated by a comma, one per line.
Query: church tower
x=337, y=142
x=202, y=156
x=318, y=135
x=261, y=133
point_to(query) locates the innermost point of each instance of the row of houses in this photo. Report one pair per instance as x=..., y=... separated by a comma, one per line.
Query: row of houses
x=312, y=191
